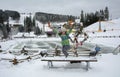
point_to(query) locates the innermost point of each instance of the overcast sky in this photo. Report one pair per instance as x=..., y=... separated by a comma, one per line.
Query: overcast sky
x=70, y=7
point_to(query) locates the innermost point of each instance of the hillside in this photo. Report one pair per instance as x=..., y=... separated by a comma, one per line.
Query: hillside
x=111, y=37
x=105, y=25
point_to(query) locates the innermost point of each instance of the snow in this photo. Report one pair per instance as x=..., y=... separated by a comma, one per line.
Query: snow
x=31, y=34
x=6, y=45
x=68, y=58
x=112, y=33
x=107, y=65
x=105, y=25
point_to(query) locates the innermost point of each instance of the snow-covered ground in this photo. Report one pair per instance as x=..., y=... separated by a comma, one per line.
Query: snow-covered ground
x=107, y=65
x=109, y=38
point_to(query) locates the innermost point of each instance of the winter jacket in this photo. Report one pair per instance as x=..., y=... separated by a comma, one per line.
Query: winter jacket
x=64, y=38
x=97, y=49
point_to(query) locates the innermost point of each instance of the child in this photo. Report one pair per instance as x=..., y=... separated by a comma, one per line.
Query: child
x=85, y=38
x=97, y=49
x=81, y=42
x=64, y=35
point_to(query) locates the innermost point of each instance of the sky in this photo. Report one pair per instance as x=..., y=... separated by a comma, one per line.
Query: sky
x=66, y=7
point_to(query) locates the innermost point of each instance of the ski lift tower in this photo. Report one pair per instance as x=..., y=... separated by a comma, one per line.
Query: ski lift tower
x=99, y=29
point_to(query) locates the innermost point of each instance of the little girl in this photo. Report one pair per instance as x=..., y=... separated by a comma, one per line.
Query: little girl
x=64, y=35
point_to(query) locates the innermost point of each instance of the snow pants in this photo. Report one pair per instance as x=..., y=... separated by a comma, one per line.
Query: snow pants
x=65, y=48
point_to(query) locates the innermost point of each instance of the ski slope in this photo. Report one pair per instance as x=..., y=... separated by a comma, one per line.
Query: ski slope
x=109, y=38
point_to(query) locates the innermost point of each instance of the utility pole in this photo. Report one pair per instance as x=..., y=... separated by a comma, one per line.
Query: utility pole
x=99, y=29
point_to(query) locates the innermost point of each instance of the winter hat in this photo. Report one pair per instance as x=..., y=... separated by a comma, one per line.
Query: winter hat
x=81, y=24
x=63, y=29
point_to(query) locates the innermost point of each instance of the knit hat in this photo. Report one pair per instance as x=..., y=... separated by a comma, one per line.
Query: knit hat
x=63, y=29
x=81, y=24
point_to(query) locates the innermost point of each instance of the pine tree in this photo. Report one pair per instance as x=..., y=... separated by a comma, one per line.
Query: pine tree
x=37, y=31
x=28, y=24
x=82, y=16
x=102, y=15
x=106, y=11
x=4, y=30
x=21, y=29
x=8, y=27
x=96, y=16
x=33, y=23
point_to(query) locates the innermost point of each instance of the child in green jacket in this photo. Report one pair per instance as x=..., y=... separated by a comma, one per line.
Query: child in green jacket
x=64, y=35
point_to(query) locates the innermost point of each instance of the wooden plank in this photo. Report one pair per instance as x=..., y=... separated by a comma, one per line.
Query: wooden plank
x=58, y=59
x=71, y=52
x=86, y=53
x=71, y=60
x=77, y=59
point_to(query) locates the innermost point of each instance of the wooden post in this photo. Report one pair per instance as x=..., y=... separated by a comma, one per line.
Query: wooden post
x=50, y=64
x=99, y=29
x=87, y=65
